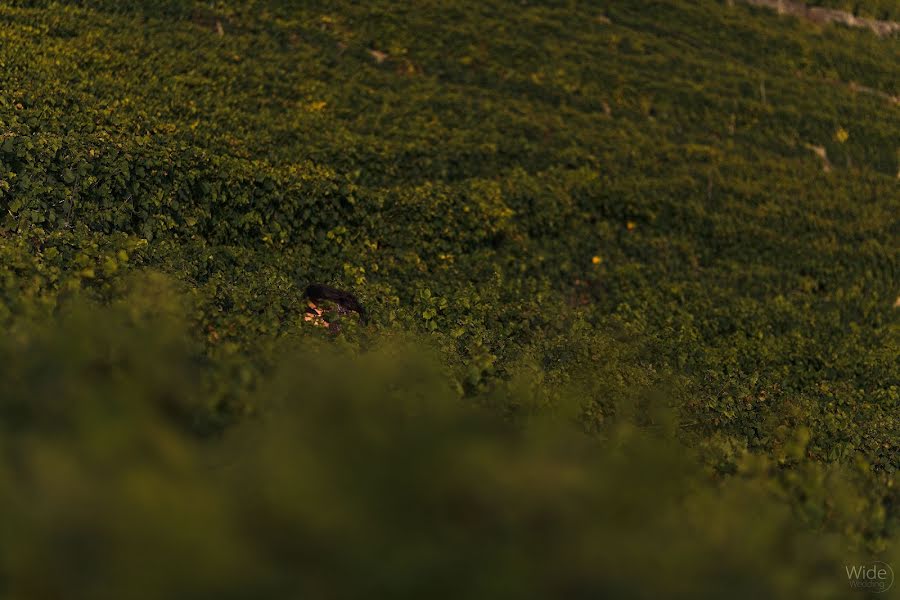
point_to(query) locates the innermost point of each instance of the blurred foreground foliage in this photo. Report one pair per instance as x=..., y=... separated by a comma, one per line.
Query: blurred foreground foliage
x=365, y=473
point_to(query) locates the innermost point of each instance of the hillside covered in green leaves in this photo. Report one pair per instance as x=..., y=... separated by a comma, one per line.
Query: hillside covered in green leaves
x=631, y=269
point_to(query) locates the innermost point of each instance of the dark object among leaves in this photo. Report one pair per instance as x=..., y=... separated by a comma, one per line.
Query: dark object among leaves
x=345, y=301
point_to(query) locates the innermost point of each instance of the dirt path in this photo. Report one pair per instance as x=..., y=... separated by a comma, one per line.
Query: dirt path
x=827, y=15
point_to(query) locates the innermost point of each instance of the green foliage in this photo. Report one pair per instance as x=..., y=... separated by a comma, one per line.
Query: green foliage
x=367, y=474
x=874, y=9
x=619, y=202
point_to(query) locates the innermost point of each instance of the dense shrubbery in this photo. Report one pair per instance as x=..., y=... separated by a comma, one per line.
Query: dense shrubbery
x=369, y=465
x=620, y=200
